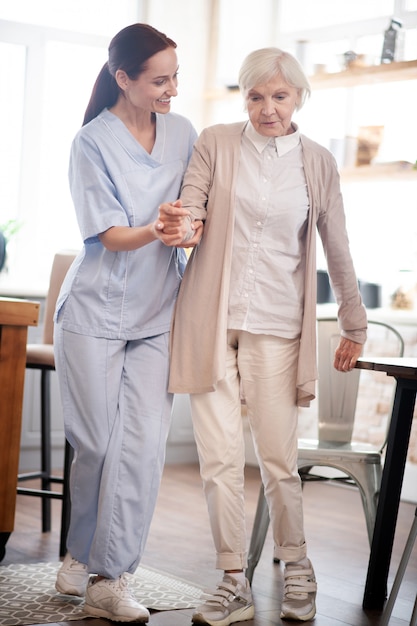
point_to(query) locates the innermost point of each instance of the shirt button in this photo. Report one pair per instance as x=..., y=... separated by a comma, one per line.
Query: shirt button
x=259, y=223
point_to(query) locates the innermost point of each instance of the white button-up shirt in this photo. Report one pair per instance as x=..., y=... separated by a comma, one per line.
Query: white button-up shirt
x=267, y=275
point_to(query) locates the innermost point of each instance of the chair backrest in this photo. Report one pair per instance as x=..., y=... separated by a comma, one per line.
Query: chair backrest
x=60, y=266
x=338, y=391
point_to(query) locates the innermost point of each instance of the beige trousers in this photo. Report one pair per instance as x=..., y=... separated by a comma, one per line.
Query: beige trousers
x=263, y=368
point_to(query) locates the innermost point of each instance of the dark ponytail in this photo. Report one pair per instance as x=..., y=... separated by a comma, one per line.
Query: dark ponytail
x=128, y=50
x=105, y=93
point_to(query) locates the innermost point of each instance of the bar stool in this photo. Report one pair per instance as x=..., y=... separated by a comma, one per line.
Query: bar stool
x=399, y=577
x=40, y=356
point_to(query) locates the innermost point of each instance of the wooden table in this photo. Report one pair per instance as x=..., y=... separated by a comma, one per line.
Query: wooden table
x=404, y=370
x=15, y=317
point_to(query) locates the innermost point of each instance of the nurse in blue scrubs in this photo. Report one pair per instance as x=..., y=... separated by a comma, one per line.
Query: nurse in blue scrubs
x=113, y=316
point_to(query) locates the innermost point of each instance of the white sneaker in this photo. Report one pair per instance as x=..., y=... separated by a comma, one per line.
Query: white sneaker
x=113, y=600
x=72, y=577
x=300, y=588
x=230, y=602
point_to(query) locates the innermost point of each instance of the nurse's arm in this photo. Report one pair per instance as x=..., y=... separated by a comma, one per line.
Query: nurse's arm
x=125, y=238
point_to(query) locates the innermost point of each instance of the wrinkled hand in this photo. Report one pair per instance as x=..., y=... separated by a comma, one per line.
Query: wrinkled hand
x=198, y=227
x=171, y=226
x=346, y=355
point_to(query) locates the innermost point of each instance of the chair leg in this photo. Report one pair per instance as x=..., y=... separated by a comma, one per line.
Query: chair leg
x=66, y=499
x=3, y=540
x=260, y=528
x=399, y=577
x=368, y=479
x=369, y=504
x=413, y=621
x=46, y=447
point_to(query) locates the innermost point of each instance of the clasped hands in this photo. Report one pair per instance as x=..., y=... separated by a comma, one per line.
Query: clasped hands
x=174, y=226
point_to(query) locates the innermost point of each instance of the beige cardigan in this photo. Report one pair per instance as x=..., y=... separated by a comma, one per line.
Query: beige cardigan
x=199, y=327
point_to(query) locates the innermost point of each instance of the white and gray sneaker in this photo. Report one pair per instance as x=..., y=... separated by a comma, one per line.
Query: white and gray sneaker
x=113, y=600
x=72, y=577
x=230, y=602
x=300, y=588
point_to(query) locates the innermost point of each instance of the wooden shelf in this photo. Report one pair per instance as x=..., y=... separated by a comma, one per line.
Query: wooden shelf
x=399, y=170
x=368, y=75
x=354, y=76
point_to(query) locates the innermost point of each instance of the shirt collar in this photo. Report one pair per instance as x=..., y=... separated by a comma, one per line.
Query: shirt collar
x=283, y=144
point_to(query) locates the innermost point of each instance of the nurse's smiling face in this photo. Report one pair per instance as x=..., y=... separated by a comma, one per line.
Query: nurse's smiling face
x=155, y=86
x=271, y=106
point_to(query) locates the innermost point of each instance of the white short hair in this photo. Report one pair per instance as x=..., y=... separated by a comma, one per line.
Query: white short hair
x=260, y=66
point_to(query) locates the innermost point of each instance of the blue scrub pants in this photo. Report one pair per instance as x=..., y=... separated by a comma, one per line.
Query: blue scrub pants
x=117, y=414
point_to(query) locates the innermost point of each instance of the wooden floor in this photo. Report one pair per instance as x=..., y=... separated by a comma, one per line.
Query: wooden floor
x=180, y=544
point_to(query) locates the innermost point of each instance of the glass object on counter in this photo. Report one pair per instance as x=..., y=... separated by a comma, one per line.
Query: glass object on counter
x=404, y=297
x=369, y=140
x=344, y=150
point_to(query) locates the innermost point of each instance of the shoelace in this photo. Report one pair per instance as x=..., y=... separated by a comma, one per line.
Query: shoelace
x=122, y=586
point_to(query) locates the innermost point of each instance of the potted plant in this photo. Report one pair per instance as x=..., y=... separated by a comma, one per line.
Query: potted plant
x=7, y=230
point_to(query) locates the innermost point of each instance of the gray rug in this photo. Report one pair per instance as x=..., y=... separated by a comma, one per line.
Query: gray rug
x=28, y=595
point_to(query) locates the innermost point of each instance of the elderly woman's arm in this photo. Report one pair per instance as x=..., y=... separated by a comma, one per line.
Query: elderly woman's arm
x=351, y=312
x=194, y=194
x=198, y=179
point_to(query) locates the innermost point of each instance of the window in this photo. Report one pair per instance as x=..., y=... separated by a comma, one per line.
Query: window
x=100, y=17
x=295, y=17
x=51, y=52
x=50, y=55
x=12, y=71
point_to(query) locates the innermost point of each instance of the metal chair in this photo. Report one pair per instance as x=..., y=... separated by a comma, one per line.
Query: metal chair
x=359, y=463
x=40, y=356
x=386, y=615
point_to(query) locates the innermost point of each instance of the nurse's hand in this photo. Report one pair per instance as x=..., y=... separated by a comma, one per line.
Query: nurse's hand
x=173, y=226
x=171, y=215
x=174, y=237
x=346, y=355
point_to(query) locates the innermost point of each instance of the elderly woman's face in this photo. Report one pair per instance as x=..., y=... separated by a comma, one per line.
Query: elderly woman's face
x=271, y=106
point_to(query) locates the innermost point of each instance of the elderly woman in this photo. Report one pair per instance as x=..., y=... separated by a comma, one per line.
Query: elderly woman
x=245, y=318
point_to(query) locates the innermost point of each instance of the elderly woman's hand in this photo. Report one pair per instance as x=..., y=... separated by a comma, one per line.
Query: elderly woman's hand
x=193, y=240
x=173, y=223
x=346, y=355
x=175, y=228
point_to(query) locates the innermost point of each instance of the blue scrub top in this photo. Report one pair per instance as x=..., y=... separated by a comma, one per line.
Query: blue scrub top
x=115, y=182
